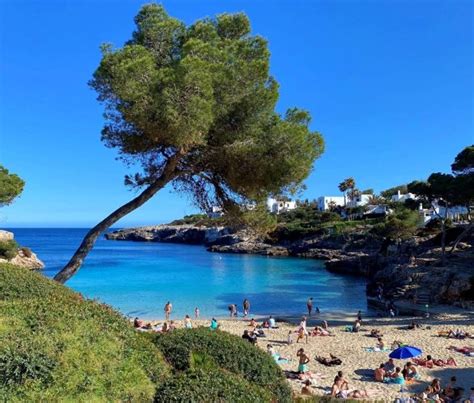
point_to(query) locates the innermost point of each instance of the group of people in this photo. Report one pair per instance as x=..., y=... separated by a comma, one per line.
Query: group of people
x=450, y=393
x=389, y=373
x=233, y=312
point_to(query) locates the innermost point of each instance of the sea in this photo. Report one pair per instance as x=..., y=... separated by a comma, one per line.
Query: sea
x=139, y=278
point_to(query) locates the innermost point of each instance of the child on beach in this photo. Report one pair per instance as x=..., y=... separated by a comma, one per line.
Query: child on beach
x=290, y=338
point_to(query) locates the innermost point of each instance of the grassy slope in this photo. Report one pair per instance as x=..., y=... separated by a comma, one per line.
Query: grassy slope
x=54, y=344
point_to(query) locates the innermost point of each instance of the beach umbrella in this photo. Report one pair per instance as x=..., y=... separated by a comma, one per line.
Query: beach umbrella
x=405, y=352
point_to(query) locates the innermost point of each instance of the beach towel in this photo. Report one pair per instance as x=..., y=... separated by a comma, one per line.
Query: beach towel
x=376, y=350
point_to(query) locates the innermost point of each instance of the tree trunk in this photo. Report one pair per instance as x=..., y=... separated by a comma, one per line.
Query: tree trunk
x=461, y=236
x=443, y=236
x=88, y=242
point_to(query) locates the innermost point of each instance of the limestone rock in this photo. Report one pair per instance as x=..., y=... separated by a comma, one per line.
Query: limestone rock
x=24, y=257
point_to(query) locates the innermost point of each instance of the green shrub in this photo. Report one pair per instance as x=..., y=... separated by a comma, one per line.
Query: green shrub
x=56, y=346
x=229, y=352
x=8, y=249
x=211, y=385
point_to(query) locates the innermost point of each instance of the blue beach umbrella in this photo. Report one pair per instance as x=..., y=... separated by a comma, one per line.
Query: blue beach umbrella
x=402, y=353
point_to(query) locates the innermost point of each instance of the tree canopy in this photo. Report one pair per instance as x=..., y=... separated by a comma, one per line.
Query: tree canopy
x=203, y=91
x=11, y=186
x=195, y=106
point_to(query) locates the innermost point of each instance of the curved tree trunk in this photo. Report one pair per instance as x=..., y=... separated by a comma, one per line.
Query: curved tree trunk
x=461, y=236
x=88, y=242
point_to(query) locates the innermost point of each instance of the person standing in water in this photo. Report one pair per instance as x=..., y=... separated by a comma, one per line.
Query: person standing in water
x=309, y=305
x=196, y=313
x=168, y=309
x=246, y=306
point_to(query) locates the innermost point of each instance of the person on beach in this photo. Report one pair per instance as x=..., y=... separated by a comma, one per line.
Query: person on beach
x=309, y=305
x=306, y=390
x=272, y=323
x=303, y=361
x=359, y=316
x=410, y=372
x=389, y=367
x=379, y=373
x=246, y=306
x=253, y=322
x=232, y=310
x=302, y=331
x=290, y=338
x=356, y=327
x=172, y=326
x=448, y=392
x=396, y=377
x=249, y=336
x=278, y=359
x=380, y=345
x=187, y=322
x=137, y=323
x=168, y=309
x=214, y=325
x=196, y=313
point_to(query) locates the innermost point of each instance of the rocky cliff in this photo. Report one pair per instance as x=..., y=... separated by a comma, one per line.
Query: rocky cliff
x=188, y=234
x=24, y=257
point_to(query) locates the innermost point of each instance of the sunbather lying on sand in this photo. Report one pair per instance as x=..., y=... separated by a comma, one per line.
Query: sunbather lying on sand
x=375, y=333
x=329, y=362
x=464, y=350
x=429, y=362
x=319, y=331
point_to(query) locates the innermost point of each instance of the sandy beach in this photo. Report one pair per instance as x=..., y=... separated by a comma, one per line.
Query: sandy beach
x=357, y=363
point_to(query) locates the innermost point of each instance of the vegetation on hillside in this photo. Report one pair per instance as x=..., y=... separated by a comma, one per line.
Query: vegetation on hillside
x=56, y=346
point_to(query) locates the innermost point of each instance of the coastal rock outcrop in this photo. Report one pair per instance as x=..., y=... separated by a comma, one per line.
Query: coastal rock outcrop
x=187, y=234
x=24, y=256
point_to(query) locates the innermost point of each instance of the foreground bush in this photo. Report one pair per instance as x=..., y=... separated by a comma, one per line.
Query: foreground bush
x=186, y=349
x=8, y=249
x=210, y=385
x=56, y=346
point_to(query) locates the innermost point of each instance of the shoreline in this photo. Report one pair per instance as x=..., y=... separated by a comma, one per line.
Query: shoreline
x=357, y=363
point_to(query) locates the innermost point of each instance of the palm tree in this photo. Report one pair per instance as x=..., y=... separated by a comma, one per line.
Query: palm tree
x=345, y=185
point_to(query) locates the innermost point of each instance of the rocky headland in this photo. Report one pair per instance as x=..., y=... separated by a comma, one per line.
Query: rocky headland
x=22, y=257
x=407, y=270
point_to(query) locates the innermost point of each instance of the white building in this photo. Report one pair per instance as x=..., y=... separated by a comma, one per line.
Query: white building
x=280, y=206
x=399, y=197
x=454, y=213
x=325, y=202
x=216, y=212
x=359, y=200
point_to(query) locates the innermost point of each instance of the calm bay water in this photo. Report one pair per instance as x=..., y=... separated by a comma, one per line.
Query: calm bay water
x=138, y=278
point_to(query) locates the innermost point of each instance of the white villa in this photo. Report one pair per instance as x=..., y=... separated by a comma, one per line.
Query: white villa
x=325, y=202
x=361, y=200
x=399, y=197
x=454, y=213
x=280, y=206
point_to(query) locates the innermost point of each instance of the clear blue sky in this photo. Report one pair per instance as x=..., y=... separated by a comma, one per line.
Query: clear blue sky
x=389, y=84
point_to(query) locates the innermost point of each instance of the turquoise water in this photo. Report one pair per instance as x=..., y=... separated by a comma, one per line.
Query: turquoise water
x=139, y=278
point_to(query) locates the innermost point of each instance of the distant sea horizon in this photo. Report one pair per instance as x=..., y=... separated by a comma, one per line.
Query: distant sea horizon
x=138, y=278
